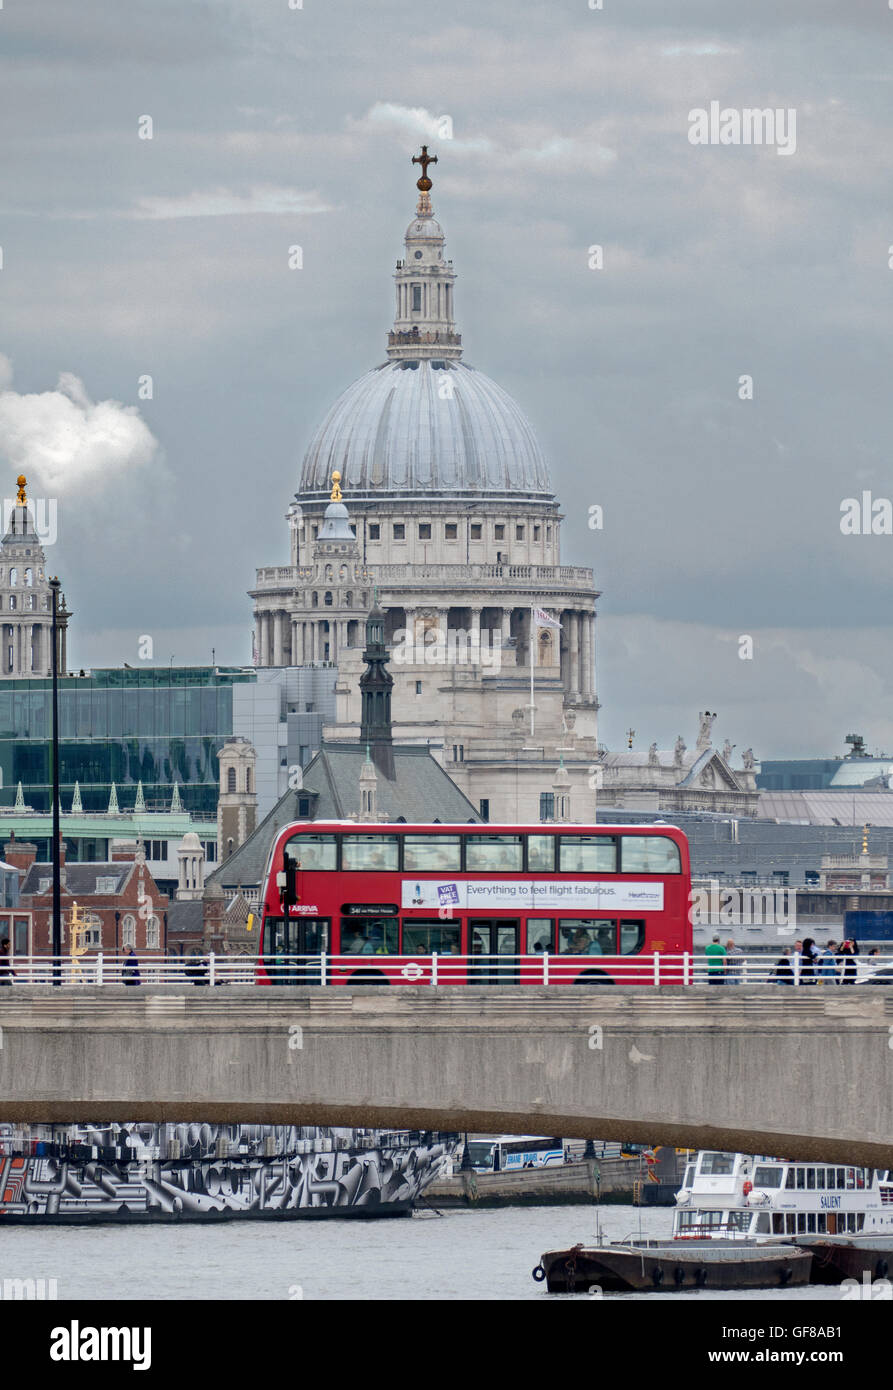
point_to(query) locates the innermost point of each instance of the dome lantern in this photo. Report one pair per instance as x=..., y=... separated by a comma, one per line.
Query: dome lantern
x=424, y=326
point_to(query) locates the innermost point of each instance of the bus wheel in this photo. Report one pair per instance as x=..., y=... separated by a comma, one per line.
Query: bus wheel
x=368, y=977
x=593, y=977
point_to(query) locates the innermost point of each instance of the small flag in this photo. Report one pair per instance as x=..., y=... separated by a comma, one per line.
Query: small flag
x=544, y=619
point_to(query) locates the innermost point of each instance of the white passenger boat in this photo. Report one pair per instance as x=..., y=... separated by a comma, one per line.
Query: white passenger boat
x=744, y=1223
x=737, y=1196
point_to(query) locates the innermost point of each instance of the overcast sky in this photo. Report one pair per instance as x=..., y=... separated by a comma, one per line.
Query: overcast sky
x=275, y=126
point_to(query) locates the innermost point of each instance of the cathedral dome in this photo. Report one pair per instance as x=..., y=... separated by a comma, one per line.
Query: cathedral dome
x=426, y=428
x=424, y=424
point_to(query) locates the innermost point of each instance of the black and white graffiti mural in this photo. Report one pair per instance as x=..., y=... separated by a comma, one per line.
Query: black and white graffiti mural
x=169, y=1172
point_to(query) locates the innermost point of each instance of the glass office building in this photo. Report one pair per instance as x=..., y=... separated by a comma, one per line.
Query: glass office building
x=156, y=725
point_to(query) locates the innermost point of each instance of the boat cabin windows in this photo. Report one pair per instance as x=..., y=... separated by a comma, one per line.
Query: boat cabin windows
x=716, y=1165
x=762, y=1225
x=824, y=1179
x=817, y=1223
x=696, y=1220
x=766, y=1176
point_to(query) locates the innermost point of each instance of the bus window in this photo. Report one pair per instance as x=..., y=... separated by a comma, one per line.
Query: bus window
x=313, y=851
x=632, y=937
x=421, y=852
x=370, y=852
x=373, y=936
x=649, y=854
x=423, y=938
x=539, y=934
x=579, y=936
x=541, y=854
x=587, y=854
x=494, y=853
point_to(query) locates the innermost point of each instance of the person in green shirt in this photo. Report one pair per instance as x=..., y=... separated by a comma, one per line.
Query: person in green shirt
x=715, y=954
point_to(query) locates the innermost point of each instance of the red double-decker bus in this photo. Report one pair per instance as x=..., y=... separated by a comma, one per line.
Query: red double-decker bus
x=352, y=903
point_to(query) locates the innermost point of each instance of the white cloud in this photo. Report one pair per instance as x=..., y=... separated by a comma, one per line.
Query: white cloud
x=65, y=438
x=224, y=202
x=423, y=122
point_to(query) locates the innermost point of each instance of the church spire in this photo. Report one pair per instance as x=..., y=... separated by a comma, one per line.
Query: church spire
x=424, y=326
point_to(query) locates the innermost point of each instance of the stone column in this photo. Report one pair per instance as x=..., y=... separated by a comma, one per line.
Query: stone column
x=410, y=624
x=574, y=624
x=588, y=657
x=506, y=625
x=277, y=638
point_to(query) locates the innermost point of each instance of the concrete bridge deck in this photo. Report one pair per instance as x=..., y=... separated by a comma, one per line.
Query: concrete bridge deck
x=800, y=1073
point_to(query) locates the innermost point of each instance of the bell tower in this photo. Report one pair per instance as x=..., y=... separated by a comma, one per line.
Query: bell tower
x=26, y=608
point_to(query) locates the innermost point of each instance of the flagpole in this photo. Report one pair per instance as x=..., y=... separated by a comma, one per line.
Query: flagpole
x=532, y=631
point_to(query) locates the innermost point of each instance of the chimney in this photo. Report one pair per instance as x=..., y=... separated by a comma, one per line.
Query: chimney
x=19, y=853
x=123, y=851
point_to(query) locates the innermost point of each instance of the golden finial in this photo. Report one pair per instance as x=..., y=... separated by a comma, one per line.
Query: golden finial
x=336, y=488
x=22, y=499
x=865, y=839
x=424, y=183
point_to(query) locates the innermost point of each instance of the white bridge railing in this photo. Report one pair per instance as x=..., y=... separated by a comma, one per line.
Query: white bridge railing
x=541, y=968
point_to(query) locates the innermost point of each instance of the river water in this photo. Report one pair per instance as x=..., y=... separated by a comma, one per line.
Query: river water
x=461, y=1254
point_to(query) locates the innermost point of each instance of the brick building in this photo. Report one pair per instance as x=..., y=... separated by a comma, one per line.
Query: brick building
x=120, y=899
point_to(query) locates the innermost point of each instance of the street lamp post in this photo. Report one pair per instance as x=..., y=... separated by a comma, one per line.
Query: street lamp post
x=57, y=866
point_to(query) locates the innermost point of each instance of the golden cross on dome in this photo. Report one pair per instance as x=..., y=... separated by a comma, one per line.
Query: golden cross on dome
x=424, y=183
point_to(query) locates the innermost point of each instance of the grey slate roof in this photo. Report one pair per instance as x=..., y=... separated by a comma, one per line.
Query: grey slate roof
x=184, y=917
x=80, y=879
x=420, y=791
x=850, y=806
